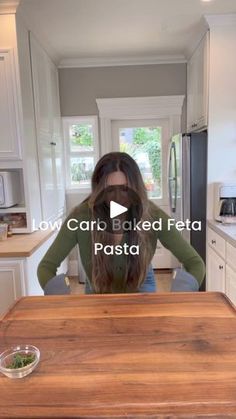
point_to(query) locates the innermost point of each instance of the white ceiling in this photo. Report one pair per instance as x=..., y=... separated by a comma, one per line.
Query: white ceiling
x=112, y=30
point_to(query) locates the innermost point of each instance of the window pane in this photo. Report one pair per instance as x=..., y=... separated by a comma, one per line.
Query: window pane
x=81, y=137
x=81, y=170
x=144, y=145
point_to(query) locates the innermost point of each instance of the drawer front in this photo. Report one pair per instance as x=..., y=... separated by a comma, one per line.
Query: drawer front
x=231, y=255
x=217, y=243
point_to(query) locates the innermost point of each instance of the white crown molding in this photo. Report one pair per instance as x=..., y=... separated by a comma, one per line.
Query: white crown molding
x=221, y=20
x=8, y=7
x=140, y=107
x=120, y=61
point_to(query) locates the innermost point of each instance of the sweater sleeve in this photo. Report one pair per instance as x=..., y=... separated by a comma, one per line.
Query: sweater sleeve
x=57, y=252
x=172, y=240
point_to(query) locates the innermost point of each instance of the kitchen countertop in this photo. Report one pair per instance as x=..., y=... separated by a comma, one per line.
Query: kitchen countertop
x=23, y=245
x=123, y=355
x=227, y=231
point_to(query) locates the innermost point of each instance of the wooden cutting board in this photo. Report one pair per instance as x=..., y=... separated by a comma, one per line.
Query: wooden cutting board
x=134, y=356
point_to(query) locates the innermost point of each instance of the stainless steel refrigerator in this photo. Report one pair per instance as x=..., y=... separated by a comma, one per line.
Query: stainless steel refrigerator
x=187, y=185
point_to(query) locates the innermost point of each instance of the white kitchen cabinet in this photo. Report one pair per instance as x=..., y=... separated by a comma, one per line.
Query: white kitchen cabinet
x=48, y=131
x=41, y=87
x=30, y=123
x=197, y=87
x=12, y=283
x=221, y=265
x=10, y=148
x=217, y=243
x=215, y=271
x=231, y=284
x=18, y=276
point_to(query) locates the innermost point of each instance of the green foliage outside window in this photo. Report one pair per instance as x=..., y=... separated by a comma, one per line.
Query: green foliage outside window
x=146, y=140
x=81, y=135
x=81, y=138
x=150, y=142
x=80, y=172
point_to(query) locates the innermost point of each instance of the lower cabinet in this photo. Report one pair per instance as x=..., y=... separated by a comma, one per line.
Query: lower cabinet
x=215, y=272
x=231, y=283
x=221, y=265
x=12, y=284
x=18, y=277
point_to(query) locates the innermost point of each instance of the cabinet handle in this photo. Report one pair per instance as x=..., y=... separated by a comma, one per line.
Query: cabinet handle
x=221, y=267
x=213, y=242
x=52, y=143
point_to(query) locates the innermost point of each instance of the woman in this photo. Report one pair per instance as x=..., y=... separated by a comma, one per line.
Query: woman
x=124, y=272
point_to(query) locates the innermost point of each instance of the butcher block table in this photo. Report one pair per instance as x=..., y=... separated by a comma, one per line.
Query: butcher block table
x=170, y=355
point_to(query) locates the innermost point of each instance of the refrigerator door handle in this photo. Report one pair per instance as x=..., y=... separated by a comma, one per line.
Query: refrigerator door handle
x=172, y=178
x=169, y=177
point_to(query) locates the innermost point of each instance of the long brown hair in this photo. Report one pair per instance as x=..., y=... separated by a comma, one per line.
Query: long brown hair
x=135, y=265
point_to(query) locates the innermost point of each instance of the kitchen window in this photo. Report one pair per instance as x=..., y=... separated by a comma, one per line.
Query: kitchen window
x=81, y=150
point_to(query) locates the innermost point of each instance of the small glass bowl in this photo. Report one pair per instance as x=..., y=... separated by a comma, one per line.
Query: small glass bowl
x=6, y=358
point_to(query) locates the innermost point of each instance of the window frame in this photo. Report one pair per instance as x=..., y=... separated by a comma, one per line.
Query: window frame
x=75, y=120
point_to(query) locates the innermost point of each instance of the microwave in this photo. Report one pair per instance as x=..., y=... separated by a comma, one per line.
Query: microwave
x=9, y=189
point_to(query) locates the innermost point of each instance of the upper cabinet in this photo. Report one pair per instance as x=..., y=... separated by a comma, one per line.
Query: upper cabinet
x=10, y=148
x=197, y=87
x=48, y=131
x=30, y=121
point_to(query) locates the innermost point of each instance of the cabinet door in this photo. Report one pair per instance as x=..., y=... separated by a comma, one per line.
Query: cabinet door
x=58, y=167
x=215, y=271
x=231, y=284
x=47, y=178
x=197, y=87
x=55, y=100
x=191, y=87
x=41, y=84
x=43, y=116
x=9, y=116
x=48, y=127
x=11, y=283
x=202, y=83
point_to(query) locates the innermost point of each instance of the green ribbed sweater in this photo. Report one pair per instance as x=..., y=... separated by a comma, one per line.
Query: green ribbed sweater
x=67, y=239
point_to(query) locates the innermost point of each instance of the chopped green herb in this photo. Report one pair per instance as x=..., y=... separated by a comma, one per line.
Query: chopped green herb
x=20, y=361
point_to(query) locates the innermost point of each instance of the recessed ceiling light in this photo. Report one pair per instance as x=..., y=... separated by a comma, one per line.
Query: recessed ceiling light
x=206, y=1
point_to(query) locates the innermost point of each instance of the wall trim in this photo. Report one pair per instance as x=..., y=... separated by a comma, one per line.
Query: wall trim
x=153, y=107
x=140, y=107
x=9, y=7
x=121, y=61
x=221, y=20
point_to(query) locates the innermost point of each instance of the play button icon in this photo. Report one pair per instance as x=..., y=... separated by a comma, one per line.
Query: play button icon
x=116, y=209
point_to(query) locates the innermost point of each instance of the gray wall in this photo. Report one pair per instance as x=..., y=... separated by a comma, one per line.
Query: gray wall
x=80, y=87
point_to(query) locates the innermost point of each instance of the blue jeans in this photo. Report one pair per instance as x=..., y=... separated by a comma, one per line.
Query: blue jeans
x=149, y=285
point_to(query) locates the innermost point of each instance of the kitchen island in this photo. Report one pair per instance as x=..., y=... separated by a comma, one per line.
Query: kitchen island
x=123, y=356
